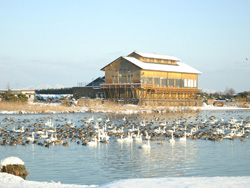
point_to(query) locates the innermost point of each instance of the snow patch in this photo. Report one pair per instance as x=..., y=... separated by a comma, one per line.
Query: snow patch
x=11, y=161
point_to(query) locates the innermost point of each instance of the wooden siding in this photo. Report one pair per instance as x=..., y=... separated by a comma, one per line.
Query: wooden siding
x=119, y=70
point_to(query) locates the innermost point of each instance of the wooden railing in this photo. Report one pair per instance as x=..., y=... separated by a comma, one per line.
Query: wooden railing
x=150, y=86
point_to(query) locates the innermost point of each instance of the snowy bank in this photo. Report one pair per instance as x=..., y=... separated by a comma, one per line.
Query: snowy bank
x=11, y=181
x=13, y=165
x=215, y=108
x=11, y=161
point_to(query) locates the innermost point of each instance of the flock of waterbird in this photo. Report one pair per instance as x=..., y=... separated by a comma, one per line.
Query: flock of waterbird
x=92, y=130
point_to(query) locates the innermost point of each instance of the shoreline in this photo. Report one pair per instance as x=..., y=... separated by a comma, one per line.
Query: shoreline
x=11, y=181
x=56, y=108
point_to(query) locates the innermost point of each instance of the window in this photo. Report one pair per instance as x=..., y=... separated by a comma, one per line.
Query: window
x=131, y=79
x=195, y=83
x=185, y=83
x=163, y=82
x=171, y=82
x=150, y=80
x=157, y=82
x=182, y=82
x=191, y=83
x=177, y=82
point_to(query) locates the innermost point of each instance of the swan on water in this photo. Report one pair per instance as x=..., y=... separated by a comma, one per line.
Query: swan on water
x=92, y=142
x=145, y=146
x=31, y=138
x=44, y=135
x=120, y=140
x=184, y=138
x=172, y=140
x=129, y=138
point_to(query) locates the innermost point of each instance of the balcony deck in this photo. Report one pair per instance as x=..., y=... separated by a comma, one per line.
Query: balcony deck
x=150, y=87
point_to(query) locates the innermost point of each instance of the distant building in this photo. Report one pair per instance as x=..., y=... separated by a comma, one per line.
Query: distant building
x=91, y=90
x=30, y=94
x=146, y=77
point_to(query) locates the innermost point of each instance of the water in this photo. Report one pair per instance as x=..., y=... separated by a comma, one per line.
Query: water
x=104, y=163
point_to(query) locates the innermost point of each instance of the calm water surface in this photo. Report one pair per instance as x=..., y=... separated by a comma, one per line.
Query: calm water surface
x=104, y=163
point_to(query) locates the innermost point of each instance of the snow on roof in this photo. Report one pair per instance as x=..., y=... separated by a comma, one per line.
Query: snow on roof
x=157, y=56
x=11, y=161
x=180, y=67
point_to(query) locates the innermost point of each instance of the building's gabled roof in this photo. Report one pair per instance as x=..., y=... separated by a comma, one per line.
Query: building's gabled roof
x=103, y=69
x=96, y=82
x=180, y=67
x=156, y=56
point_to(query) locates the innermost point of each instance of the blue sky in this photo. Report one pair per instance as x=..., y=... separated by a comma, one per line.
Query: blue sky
x=65, y=42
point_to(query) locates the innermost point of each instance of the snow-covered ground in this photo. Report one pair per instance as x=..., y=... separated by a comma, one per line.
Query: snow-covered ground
x=11, y=181
x=211, y=107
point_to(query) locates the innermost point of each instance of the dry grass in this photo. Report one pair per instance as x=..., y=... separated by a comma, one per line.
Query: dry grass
x=18, y=170
x=107, y=106
x=33, y=108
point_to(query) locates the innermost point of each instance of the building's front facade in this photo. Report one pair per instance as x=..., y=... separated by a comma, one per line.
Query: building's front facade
x=144, y=76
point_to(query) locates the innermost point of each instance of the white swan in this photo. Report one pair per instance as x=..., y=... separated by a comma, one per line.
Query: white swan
x=19, y=130
x=138, y=137
x=49, y=123
x=52, y=130
x=44, y=135
x=184, y=138
x=145, y=146
x=172, y=140
x=52, y=138
x=147, y=136
x=120, y=140
x=92, y=142
x=129, y=138
x=31, y=138
x=39, y=132
x=143, y=123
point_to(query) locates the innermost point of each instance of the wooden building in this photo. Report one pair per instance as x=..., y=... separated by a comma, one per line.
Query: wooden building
x=147, y=77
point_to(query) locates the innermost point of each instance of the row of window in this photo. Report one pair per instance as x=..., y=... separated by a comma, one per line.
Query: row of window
x=122, y=78
x=169, y=82
x=159, y=60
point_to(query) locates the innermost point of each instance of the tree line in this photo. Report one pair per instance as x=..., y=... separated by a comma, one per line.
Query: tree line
x=55, y=91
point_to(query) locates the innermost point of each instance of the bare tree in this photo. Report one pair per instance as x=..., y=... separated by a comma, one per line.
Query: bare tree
x=230, y=91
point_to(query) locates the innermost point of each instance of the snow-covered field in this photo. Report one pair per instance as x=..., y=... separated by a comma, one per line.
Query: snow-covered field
x=11, y=181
